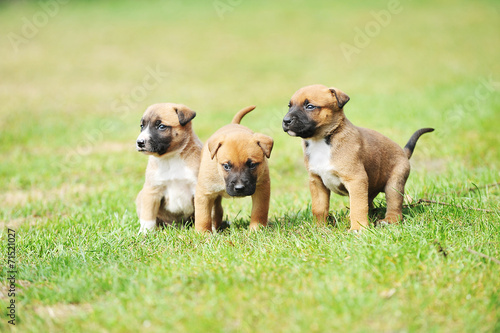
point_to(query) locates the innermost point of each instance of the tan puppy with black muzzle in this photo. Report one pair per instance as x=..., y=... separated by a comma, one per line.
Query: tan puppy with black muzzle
x=174, y=158
x=233, y=163
x=347, y=159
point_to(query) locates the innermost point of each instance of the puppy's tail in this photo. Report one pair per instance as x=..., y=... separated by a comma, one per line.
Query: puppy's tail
x=413, y=140
x=241, y=114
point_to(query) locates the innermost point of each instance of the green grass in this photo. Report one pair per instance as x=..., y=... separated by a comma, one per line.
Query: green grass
x=70, y=106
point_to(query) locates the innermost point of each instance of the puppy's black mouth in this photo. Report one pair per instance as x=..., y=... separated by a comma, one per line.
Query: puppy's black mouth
x=152, y=148
x=144, y=150
x=241, y=183
x=302, y=133
x=247, y=191
x=286, y=129
x=298, y=124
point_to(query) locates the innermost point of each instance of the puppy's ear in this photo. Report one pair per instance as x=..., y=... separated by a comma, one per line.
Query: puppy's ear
x=184, y=114
x=341, y=97
x=265, y=143
x=214, y=145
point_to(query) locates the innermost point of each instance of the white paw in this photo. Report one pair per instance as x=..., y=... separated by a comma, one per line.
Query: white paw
x=383, y=224
x=147, y=226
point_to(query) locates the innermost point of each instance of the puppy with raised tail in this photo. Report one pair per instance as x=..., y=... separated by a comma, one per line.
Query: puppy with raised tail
x=233, y=163
x=347, y=159
x=174, y=157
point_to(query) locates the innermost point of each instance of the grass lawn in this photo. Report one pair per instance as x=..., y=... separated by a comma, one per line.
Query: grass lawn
x=75, y=78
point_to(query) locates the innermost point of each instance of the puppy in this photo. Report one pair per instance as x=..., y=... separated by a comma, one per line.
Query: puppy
x=174, y=157
x=346, y=159
x=233, y=163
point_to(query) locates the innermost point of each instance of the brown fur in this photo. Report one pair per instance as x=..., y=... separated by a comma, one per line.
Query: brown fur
x=361, y=164
x=236, y=145
x=172, y=175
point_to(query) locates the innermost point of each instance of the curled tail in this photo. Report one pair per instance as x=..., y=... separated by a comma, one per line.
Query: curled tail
x=413, y=140
x=241, y=114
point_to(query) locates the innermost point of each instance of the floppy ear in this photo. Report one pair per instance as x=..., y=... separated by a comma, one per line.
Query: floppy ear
x=265, y=143
x=184, y=114
x=213, y=145
x=341, y=97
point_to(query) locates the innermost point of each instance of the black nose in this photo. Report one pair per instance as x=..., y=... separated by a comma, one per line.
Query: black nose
x=239, y=187
x=141, y=143
x=287, y=120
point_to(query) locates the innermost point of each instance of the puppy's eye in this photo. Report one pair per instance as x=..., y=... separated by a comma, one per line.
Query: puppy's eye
x=310, y=107
x=289, y=104
x=142, y=127
x=162, y=127
x=252, y=165
x=227, y=166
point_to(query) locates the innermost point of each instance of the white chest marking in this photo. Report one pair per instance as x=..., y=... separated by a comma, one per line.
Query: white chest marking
x=179, y=183
x=319, y=155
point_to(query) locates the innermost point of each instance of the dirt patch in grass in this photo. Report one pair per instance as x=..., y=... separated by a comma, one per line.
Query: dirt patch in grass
x=21, y=198
x=61, y=311
x=17, y=222
x=5, y=287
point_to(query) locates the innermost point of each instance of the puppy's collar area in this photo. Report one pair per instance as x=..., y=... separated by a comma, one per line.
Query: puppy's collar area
x=167, y=155
x=175, y=152
x=330, y=133
x=318, y=141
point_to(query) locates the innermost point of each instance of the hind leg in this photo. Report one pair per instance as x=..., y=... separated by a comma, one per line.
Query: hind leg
x=260, y=205
x=394, y=195
x=204, y=205
x=217, y=213
x=371, y=197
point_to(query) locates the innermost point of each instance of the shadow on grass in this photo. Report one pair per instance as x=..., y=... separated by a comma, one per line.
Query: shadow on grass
x=336, y=219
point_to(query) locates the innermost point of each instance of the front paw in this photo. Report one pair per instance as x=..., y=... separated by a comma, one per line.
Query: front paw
x=386, y=222
x=147, y=226
x=382, y=224
x=357, y=228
